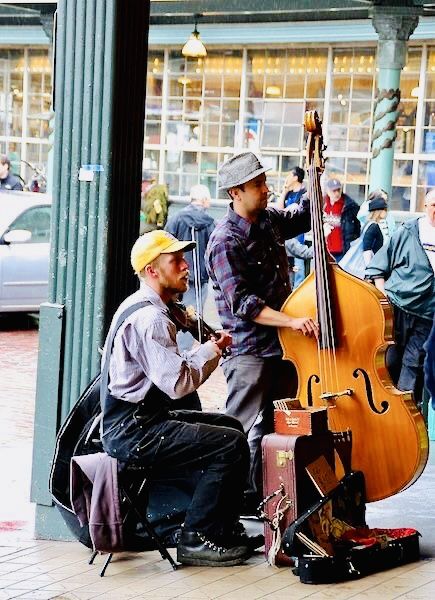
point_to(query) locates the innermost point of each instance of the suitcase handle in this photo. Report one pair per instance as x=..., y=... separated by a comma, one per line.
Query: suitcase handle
x=284, y=503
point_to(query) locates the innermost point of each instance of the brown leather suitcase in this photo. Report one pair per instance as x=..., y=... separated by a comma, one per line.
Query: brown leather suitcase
x=286, y=480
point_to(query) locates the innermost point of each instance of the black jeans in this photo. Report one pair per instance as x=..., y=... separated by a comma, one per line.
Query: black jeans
x=211, y=448
x=405, y=358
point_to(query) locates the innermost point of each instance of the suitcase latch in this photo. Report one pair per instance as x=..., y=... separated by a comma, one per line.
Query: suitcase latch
x=282, y=456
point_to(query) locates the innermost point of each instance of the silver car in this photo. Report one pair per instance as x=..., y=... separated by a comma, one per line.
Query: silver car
x=24, y=250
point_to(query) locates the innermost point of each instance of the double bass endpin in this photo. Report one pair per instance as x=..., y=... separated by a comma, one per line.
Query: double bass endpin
x=329, y=396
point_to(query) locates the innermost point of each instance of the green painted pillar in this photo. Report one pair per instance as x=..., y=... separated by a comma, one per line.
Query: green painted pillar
x=394, y=25
x=99, y=104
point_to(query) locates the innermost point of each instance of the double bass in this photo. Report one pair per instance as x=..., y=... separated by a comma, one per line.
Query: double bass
x=345, y=368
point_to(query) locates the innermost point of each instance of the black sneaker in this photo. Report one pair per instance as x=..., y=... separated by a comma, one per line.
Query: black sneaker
x=196, y=550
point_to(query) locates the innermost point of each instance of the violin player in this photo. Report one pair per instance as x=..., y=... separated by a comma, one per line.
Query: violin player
x=147, y=378
x=247, y=263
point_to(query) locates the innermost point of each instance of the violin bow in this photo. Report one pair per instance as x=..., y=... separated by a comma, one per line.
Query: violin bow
x=197, y=283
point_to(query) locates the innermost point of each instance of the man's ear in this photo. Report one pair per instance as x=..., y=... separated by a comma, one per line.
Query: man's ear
x=150, y=271
x=233, y=193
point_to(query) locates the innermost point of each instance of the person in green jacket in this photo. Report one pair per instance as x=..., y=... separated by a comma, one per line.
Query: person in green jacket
x=403, y=270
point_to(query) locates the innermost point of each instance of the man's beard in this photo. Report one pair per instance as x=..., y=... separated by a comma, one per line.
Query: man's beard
x=169, y=286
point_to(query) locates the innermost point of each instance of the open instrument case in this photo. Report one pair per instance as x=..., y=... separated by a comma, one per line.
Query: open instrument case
x=331, y=541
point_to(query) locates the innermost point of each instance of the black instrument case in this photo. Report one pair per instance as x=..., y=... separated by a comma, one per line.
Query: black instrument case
x=350, y=556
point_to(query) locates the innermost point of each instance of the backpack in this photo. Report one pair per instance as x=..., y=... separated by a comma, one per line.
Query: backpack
x=353, y=260
x=154, y=208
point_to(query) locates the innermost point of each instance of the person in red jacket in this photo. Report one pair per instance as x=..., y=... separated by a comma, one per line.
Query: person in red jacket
x=341, y=222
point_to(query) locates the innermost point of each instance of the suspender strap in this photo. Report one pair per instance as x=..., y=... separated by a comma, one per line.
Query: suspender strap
x=104, y=384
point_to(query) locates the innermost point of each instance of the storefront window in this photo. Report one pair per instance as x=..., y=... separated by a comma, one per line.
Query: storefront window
x=11, y=92
x=351, y=103
x=425, y=181
x=281, y=85
x=203, y=114
x=203, y=111
x=153, y=109
x=401, y=185
x=409, y=89
x=428, y=137
x=39, y=94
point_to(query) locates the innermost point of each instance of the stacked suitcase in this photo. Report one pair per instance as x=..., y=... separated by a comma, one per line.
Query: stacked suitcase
x=285, y=457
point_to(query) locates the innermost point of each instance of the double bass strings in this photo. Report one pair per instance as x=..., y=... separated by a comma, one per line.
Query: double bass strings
x=326, y=343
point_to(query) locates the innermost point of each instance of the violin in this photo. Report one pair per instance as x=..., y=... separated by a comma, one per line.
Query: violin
x=345, y=370
x=186, y=319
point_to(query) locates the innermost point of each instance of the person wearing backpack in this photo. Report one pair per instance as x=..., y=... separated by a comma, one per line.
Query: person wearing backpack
x=140, y=424
x=373, y=238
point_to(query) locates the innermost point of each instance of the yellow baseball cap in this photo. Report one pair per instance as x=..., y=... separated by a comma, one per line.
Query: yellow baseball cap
x=150, y=245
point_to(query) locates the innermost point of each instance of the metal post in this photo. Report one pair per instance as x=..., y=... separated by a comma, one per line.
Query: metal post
x=100, y=83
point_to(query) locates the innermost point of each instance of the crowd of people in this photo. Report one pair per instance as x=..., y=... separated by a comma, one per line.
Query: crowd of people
x=155, y=373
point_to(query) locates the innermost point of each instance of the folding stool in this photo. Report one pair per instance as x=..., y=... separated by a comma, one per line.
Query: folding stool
x=133, y=485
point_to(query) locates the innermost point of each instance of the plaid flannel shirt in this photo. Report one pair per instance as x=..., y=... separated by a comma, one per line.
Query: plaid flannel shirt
x=248, y=266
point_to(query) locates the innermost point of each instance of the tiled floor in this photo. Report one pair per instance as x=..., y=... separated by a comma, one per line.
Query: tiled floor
x=32, y=569
x=43, y=570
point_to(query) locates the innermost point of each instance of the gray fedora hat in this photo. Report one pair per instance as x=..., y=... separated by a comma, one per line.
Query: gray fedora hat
x=239, y=169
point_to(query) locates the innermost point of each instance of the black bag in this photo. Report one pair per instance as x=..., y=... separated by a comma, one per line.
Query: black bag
x=348, y=559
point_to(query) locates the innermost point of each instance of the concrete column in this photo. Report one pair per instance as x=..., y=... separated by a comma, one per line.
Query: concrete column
x=394, y=25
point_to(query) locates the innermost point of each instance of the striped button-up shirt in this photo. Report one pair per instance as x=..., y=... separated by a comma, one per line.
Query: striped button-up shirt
x=145, y=351
x=248, y=266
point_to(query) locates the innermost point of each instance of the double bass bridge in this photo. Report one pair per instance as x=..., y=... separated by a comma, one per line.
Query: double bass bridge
x=333, y=396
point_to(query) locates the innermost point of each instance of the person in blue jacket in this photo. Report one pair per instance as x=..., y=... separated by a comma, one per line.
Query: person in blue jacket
x=293, y=191
x=403, y=269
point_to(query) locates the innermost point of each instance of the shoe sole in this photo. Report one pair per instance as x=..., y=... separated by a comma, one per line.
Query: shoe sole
x=200, y=562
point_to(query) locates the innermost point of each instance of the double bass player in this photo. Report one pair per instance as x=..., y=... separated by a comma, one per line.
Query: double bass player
x=248, y=265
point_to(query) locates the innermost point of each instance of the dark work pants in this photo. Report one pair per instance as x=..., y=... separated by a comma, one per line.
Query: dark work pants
x=405, y=358
x=253, y=384
x=210, y=447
